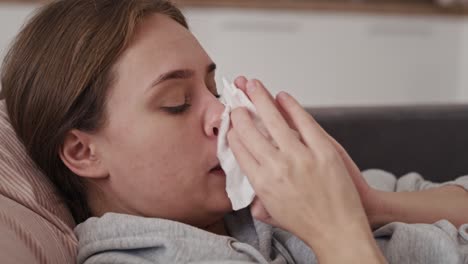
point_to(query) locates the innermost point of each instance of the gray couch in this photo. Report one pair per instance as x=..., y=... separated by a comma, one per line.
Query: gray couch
x=431, y=140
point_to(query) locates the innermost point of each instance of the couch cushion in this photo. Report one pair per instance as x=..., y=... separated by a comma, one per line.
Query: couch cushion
x=428, y=139
x=30, y=208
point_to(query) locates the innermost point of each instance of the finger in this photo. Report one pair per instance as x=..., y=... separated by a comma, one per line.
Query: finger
x=247, y=162
x=351, y=166
x=241, y=83
x=288, y=120
x=285, y=115
x=259, y=212
x=345, y=156
x=311, y=132
x=271, y=117
x=257, y=81
x=255, y=142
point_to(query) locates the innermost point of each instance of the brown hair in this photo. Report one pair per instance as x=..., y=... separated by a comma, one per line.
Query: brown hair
x=56, y=76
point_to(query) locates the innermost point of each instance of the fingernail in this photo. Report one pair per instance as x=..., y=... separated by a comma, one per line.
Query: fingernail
x=283, y=95
x=251, y=85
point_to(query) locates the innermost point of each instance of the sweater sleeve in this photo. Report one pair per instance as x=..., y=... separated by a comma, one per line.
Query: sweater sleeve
x=410, y=182
x=436, y=243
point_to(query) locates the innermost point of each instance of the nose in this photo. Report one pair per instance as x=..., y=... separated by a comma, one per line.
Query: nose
x=213, y=118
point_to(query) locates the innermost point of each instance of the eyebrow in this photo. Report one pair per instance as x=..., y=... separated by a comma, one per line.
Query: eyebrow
x=179, y=74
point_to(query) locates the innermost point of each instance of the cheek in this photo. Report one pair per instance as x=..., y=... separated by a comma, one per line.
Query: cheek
x=150, y=150
x=148, y=172
x=157, y=149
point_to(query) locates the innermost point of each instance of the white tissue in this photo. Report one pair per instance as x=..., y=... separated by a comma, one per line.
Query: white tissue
x=238, y=187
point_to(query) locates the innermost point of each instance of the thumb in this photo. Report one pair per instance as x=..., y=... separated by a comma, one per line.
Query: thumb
x=259, y=212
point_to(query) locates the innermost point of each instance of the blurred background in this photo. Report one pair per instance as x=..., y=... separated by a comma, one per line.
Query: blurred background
x=326, y=53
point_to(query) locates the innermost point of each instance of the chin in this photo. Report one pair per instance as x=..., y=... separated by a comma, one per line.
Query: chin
x=223, y=204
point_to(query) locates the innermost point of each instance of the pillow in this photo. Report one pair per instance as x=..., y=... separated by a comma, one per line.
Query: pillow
x=34, y=222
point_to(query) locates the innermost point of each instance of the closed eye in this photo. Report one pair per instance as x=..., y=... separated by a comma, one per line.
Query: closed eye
x=176, y=109
x=179, y=109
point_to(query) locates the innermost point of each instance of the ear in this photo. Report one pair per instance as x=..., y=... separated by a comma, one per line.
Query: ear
x=79, y=154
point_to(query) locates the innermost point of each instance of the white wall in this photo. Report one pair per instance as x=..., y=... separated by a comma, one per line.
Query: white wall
x=326, y=58
x=331, y=58
x=463, y=68
x=12, y=17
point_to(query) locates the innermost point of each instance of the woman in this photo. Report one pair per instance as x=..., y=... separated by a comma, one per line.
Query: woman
x=116, y=102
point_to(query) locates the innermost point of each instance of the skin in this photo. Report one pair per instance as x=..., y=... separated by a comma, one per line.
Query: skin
x=129, y=163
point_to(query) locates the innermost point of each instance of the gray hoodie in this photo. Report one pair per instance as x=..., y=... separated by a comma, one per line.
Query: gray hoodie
x=118, y=238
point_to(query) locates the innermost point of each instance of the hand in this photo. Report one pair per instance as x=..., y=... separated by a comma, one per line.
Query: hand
x=303, y=184
x=370, y=198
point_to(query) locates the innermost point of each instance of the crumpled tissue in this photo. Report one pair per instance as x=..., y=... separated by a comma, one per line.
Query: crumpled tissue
x=238, y=187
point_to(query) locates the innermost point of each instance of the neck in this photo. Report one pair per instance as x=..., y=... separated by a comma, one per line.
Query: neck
x=218, y=228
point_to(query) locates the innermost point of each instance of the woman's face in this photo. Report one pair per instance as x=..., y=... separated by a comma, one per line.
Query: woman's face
x=159, y=144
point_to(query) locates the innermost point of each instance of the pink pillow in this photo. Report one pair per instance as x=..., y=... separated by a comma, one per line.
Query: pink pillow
x=34, y=221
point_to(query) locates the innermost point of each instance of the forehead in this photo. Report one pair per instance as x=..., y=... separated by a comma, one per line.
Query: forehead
x=161, y=43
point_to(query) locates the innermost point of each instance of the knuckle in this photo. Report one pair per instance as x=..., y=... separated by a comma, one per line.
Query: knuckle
x=328, y=156
x=239, y=116
x=341, y=151
x=230, y=135
x=235, y=114
x=282, y=167
x=262, y=187
x=260, y=182
x=305, y=161
x=304, y=157
x=238, y=111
